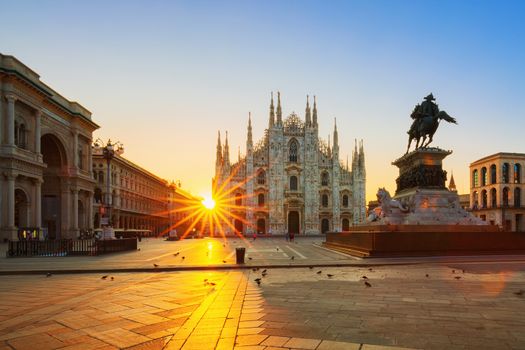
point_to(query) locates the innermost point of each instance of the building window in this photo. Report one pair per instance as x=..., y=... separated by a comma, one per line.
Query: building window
x=293, y=183
x=517, y=173
x=517, y=197
x=80, y=159
x=505, y=173
x=484, y=199
x=506, y=196
x=20, y=134
x=345, y=201
x=475, y=203
x=493, y=198
x=238, y=199
x=260, y=199
x=475, y=179
x=100, y=177
x=484, y=176
x=261, y=177
x=325, y=179
x=293, y=151
x=493, y=174
x=324, y=200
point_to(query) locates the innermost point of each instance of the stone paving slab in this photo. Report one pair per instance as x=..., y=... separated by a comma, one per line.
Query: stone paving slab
x=405, y=307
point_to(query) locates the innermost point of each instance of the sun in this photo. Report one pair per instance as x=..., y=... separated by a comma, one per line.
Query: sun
x=208, y=203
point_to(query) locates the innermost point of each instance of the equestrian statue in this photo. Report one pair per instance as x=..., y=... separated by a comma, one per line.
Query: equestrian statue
x=426, y=121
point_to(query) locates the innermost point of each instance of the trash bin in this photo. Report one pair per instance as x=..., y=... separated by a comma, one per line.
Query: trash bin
x=239, y=254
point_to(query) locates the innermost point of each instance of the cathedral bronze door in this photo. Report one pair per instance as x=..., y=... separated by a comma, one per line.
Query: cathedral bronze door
x=325, y=226
x=239, y=227
x=293, y=222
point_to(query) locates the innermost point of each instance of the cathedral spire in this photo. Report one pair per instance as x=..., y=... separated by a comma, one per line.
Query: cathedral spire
x=239, y=154
x=329, y=149
x=361, y=161
x=226, y=152
x=272, y=113
x=355, y=157
x=279, y=110
x=307, y=118
x=315, y=113
x=218, y=159
x=249, y=140
x=336, y=137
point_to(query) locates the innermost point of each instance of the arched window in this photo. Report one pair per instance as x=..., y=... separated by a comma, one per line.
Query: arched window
x=517, y=173
x=20, y=134
x=325, y=179
x=475, y=200
x=493, y=174
x=324, y=200
x=293, y=151
x=506, y=196
x=293, y=183
x=484, y=199
x=517, y=197
x=493, y=198
x=261, y=177
x=505, y=173
x=101, y=176
x=345, y=224
x=238, y=199
x=475, y=179
x=345, y=201
x=484, y=176
x=260, y=199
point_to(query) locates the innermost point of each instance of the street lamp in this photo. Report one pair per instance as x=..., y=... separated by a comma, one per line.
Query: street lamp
x=108, y=152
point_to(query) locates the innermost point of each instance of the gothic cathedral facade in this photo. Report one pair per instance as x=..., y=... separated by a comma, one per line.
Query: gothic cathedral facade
x=291, y=180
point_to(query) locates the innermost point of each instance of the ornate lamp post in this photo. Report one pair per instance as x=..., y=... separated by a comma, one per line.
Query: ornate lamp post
x=108, y=152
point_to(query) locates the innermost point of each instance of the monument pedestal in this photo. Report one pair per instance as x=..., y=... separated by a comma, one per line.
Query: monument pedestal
x=424, y=218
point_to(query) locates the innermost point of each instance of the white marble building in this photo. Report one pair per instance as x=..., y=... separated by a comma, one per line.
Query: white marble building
x=291, y=180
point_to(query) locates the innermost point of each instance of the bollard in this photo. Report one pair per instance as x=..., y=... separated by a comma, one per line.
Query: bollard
x=239, y=254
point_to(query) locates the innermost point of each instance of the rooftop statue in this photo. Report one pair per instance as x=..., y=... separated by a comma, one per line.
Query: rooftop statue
x=426, y=121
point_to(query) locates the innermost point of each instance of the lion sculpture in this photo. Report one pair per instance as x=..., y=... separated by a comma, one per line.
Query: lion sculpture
x=386, y=203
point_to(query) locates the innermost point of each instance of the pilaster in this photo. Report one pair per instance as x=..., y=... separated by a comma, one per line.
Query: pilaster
x=11, y=99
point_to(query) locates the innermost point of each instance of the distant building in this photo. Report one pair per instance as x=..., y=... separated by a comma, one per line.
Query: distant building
x=140, y=200
x=496, y=189
x=45, y=157
x=292, y=180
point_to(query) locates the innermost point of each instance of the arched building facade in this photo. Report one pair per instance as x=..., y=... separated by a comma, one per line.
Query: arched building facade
x=45, y=157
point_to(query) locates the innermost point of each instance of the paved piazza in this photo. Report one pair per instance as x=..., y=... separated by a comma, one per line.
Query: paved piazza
x=437, y=304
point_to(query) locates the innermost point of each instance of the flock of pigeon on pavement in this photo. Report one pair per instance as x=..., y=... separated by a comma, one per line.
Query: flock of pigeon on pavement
x=264, y=273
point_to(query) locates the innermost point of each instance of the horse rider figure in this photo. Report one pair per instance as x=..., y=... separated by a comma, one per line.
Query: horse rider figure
x=426, y=108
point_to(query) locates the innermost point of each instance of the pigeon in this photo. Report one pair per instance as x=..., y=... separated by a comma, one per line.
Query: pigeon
x=453, y=271
x=293, y=257
x=364, y=277
x=254, y=270
x=370, y=269
x=463, y=271
x=104, y=277
x=183, y=257
x=277, y=249
x=112, y=278
x=224, y=261
x=205, y=280
x=311, y=267
x=249, y=258
x=457, y=277
x=426, y=275
x=329, y=275
x=138, y=248
x=319, y=272
x=367, y=284
x=263, y=271
x=224, y=245
x=264, y=274
x=155, y=265
x=176, y=254
x=519, y=292
x=258, y=280
x=212, y=283
x=48, y=274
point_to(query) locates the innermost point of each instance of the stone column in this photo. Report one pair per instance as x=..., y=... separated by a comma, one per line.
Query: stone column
x=75, y=148
x=90, y=159
x=65, y=204
x=11, y=206
x=90, y=210
x=1, y=126
x=74, y=225
x=38, y=115
x=11, y=119
x=38, y=203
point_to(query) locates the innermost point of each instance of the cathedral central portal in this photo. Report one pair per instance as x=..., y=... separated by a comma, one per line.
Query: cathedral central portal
x=293, y=222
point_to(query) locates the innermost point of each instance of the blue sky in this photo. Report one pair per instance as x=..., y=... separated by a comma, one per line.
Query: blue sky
x=163, y=76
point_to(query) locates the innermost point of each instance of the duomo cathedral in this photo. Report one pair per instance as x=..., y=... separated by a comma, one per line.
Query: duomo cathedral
x=291, y=180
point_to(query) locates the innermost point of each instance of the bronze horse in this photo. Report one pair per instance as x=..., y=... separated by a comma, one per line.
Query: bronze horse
x=426, y=126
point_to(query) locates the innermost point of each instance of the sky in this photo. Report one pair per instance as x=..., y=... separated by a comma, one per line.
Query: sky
x=163, y=77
